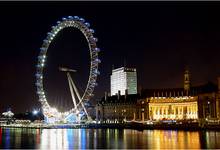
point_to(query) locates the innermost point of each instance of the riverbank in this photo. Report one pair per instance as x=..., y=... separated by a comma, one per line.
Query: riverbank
x=139, y=126
x=136, y=126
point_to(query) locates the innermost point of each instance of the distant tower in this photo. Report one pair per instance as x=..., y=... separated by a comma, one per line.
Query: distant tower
x=186, y=80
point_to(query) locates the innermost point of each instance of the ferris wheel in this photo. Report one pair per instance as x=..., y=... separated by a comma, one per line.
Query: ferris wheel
x=84, y=27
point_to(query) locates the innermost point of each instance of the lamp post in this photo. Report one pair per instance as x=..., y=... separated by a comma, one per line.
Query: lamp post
x=35, y=114
x=209, y=110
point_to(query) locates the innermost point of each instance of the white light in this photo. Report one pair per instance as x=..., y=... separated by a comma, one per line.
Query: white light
x=53, y=110
x=35, y=112
x=66, y=22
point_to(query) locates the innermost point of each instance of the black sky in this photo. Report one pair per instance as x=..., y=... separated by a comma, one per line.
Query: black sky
x=158, y=38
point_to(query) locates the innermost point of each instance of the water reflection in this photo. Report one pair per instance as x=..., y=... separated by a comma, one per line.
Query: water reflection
x=107, y=139
x=7, y=138
x=173, y=139
x=54, y=139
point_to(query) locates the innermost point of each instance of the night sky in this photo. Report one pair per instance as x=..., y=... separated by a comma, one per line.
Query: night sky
x=158, y=38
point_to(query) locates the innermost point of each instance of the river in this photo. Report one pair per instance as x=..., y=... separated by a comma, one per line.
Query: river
x=22, y=138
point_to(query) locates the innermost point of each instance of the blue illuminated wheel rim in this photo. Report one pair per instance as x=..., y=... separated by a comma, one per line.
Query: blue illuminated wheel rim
x=84, y=27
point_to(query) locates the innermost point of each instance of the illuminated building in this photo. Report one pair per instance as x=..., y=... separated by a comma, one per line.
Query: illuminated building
x=124, y=79
x=187, y=103
x=176, y=103
x=184, y=107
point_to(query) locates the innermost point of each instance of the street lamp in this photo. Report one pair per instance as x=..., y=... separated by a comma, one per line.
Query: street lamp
x=35, y=112
x=209, y=110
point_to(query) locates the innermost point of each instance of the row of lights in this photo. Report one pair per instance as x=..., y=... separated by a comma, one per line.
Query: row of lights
x=181, y=97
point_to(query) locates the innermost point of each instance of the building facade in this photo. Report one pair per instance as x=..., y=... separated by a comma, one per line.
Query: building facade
x=173, y=108
x=116, y=109
x=187, y=103
x=124, y=80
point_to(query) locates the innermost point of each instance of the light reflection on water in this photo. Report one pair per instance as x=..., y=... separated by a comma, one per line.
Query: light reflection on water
x=107, y=139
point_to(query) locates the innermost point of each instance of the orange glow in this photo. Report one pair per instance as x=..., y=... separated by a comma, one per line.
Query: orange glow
x=174, y=139
x=38, y=136
x=172, y=109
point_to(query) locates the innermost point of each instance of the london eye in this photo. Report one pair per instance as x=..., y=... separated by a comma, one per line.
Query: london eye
x=51, y=114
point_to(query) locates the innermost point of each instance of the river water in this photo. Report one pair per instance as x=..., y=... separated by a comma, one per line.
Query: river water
x=107, y=139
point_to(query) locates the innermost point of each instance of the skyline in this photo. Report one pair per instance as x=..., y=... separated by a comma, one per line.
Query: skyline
x=157, y=38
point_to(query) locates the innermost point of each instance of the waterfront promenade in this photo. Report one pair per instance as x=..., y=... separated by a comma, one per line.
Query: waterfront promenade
x=137, y=126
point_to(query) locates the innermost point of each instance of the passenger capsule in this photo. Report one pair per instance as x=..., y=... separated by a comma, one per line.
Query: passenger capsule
x=97, y=72
x=87, y=24
x=91, y=30
x=97, y=49
x=37, y=84
x=43, y=49
x=38, y=92
x=97, y=60
x=38, y=75
x=70, y=17
x=45, y=41
x=82, y=20
x=95, y=39
x=95, y=84
x=38, y=66
x=41, y=99
x=40, y=57
x=76, y=17
x=49, y=33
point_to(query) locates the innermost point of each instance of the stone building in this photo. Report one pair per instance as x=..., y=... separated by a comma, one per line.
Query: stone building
x=198, y=102
x=187, y=103
x=117, y=108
